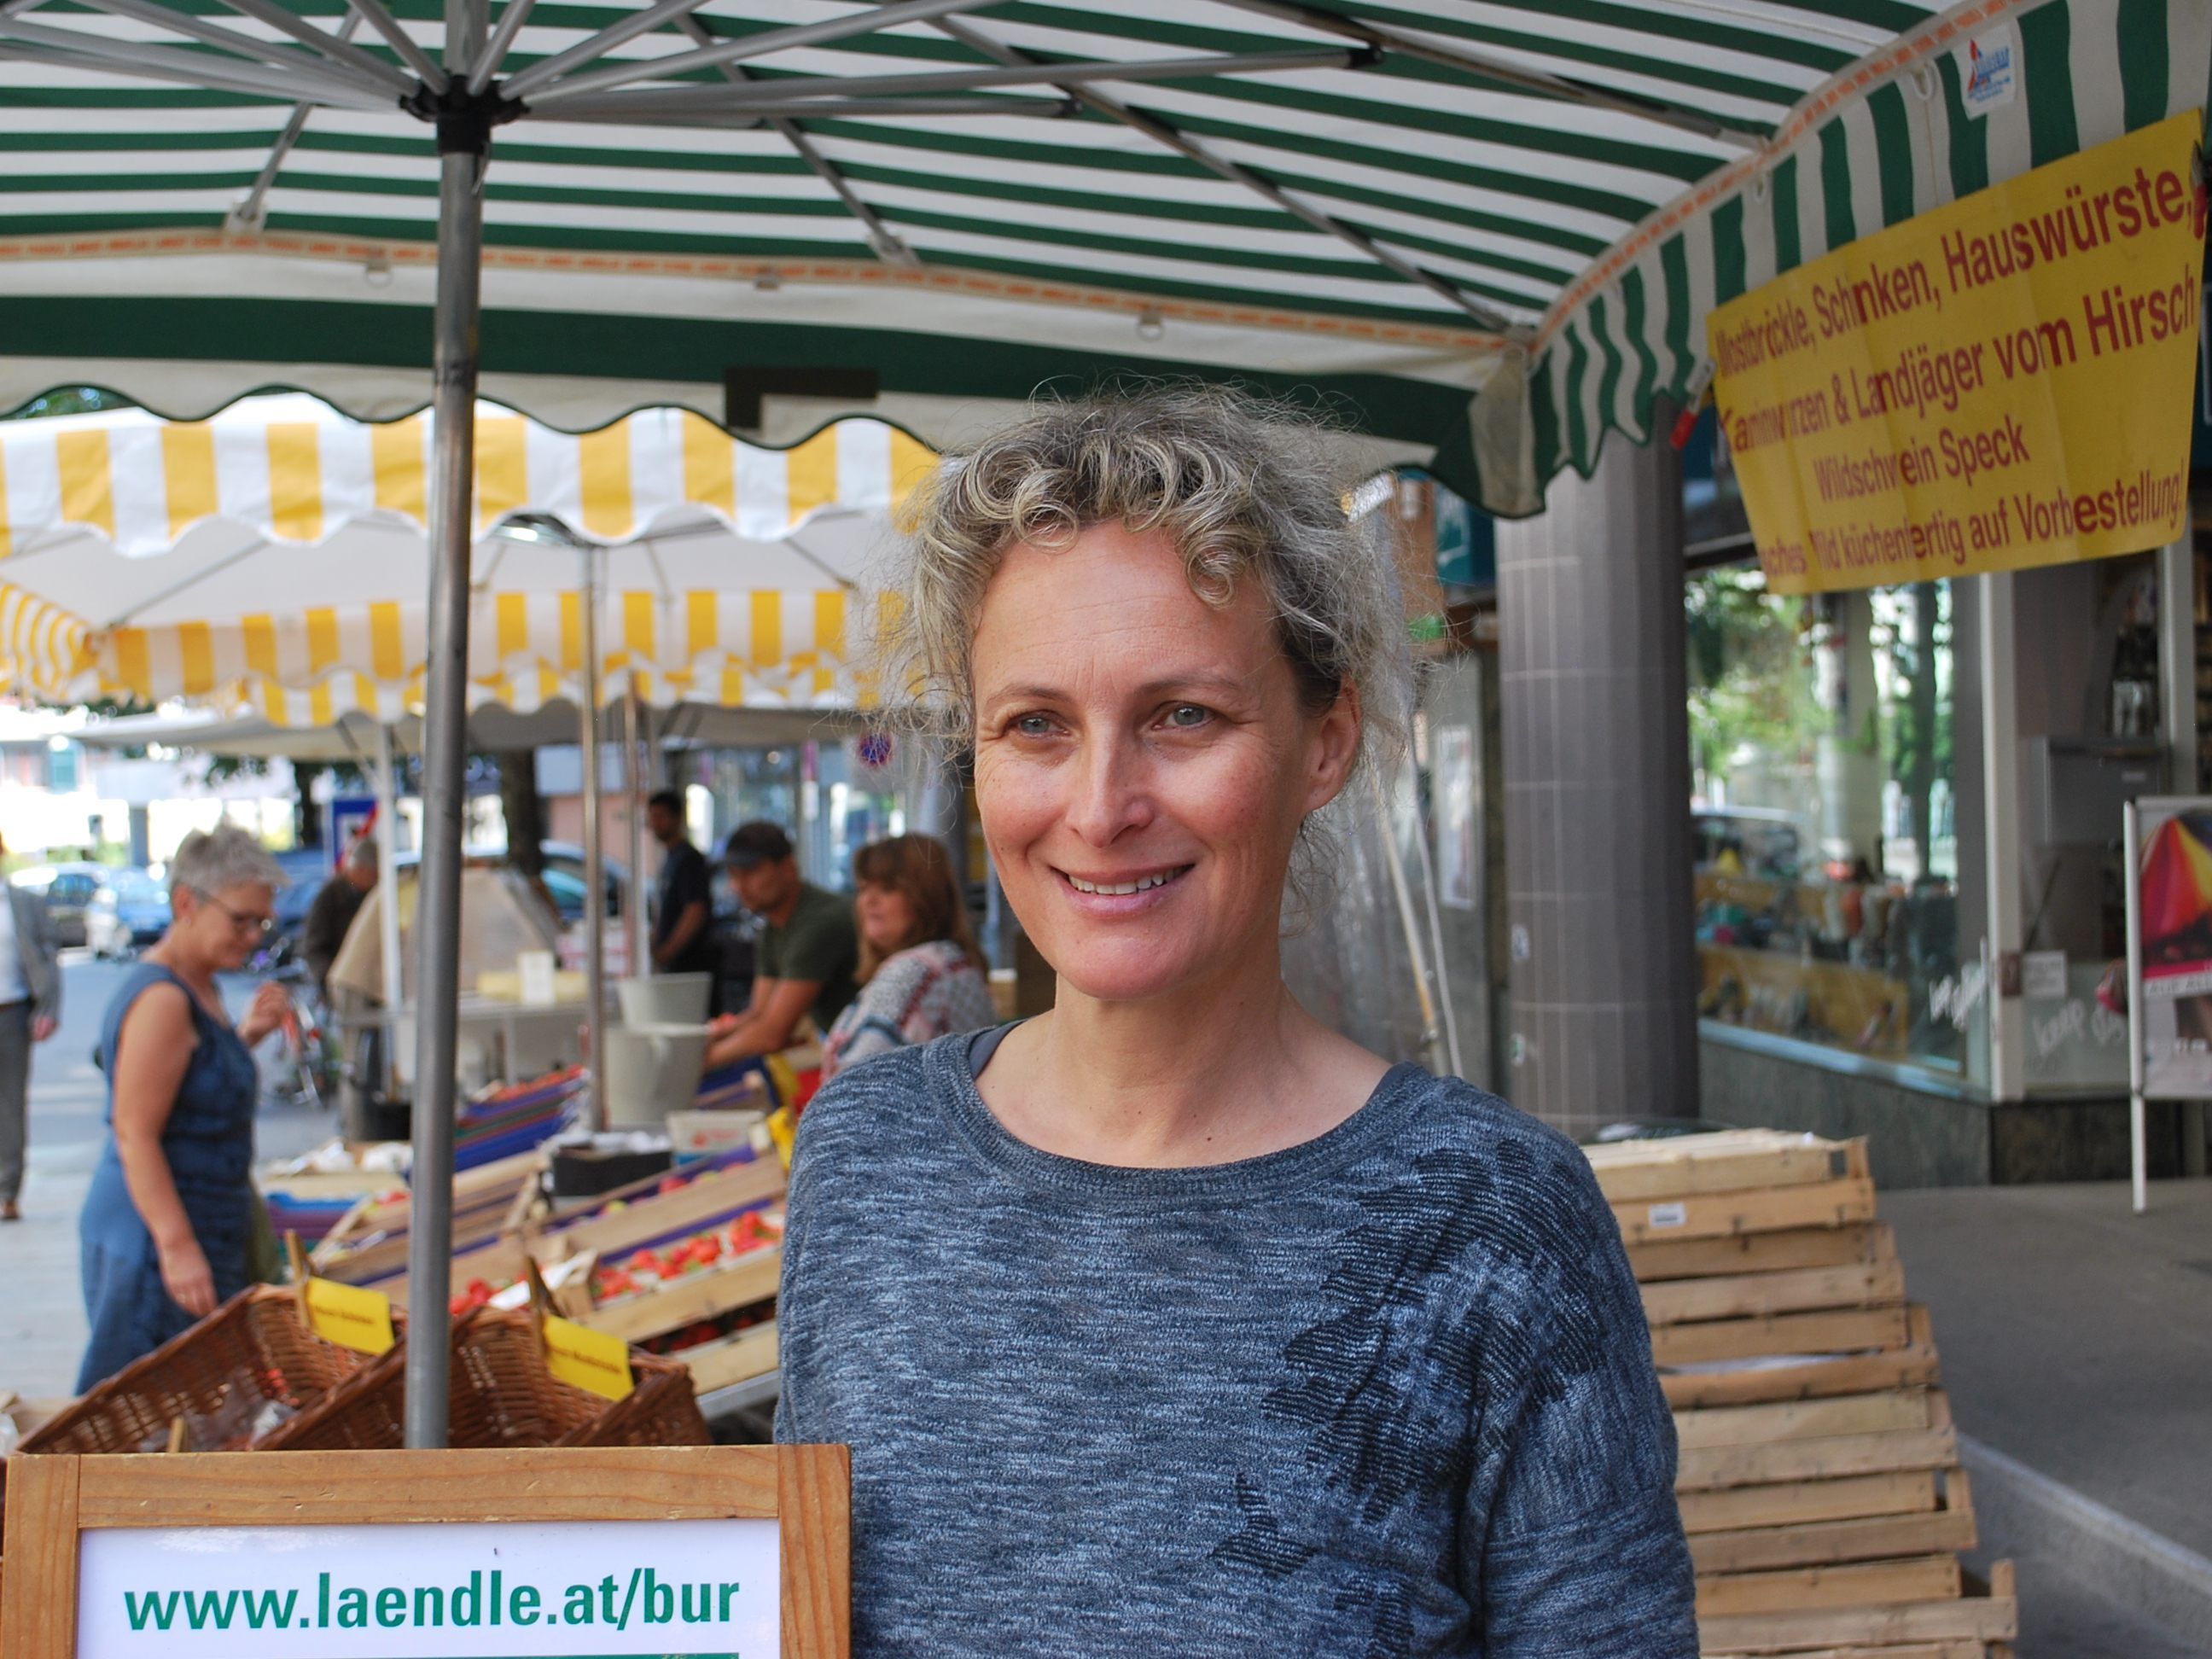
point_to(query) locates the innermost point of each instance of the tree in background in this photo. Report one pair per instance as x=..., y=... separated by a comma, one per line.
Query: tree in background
x=70, y=400
x=524, y=810
x=1919, y=721
x=1750, y=678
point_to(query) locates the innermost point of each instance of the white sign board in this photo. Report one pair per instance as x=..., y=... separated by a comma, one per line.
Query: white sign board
x=448, y=1590
x=1459, y=853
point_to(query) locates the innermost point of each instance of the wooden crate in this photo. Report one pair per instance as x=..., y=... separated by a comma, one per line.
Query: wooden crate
x=626, y=1220
x=1964, y=1624
x=751, y=1352
x=1805, y=1503
x=740, y=1282
x=1817, y=1466
x=1763, y=1253
x=1741, y=1160
x=653, y=1218
x=370, y=1243
x=1762, y=1295
x=1813, y=1377
x=1946, y=1524
x=1836, y=1203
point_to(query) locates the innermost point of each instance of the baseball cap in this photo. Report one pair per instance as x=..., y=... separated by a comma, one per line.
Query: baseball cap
x=751, y=845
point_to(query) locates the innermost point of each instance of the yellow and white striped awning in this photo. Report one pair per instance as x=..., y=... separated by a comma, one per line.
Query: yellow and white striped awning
x=294, y=470
x=275, y=558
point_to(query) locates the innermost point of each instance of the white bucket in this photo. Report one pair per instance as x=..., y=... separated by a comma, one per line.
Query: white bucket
x=650, y=1073
x=664, y=1000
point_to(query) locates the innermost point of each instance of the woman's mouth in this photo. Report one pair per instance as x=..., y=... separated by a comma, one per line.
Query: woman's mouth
x=1124, y=886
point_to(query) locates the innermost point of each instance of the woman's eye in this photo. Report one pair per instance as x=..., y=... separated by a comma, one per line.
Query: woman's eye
x=1033, y=725
x=1187, y=716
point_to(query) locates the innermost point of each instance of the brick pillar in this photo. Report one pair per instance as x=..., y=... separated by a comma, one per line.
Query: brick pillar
x=1603, y=1023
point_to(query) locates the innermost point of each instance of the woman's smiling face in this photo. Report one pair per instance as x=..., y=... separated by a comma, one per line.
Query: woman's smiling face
x=1142, y=763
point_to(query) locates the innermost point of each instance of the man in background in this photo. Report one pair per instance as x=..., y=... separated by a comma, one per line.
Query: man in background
x=330, y=918
x=808, y=948
x=30, y=1009
x=684, y=912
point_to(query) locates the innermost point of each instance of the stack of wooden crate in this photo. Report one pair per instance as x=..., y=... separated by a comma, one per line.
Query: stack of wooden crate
x=1820, y=1477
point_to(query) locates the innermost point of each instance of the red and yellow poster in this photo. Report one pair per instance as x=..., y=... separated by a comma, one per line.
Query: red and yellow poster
x=2174, y=871
x=1996, y=384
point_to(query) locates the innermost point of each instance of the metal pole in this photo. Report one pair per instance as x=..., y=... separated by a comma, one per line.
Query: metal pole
x=595, y=861
x=1436, y=939
x=641, y=784
x=2138, y=1159
x=388, y=882
x=462, y=154
x=1440, y=1061
x=715, y=50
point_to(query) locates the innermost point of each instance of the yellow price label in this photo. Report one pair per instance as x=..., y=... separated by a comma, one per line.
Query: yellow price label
x=782, y=1076
x=349, y=1315
x=587, y=1358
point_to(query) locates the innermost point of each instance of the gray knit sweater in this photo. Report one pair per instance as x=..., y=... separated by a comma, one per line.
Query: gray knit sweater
x=1383, y=1394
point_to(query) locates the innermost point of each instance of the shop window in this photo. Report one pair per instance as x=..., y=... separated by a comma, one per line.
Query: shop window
x=64, y=765
x=1826, y=813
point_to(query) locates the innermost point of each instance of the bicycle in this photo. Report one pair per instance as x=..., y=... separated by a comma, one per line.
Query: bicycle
x=308, y=1060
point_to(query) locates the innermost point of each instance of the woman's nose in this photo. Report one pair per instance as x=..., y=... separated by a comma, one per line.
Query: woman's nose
x=1110, y=797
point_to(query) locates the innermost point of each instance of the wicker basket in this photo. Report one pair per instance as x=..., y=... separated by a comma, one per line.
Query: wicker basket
x=663, y=1410
x=255, y=1345
x=500, y=1395
x=254, y=1350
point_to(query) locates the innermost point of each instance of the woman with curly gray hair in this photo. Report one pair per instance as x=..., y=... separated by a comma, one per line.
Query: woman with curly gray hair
x=167, y=1227
x=1172, y=1320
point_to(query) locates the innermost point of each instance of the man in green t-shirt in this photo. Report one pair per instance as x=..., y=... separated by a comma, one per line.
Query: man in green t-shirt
x=807, y=952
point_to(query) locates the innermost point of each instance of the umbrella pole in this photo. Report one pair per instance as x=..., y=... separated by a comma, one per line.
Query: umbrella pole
x=438, y=896
x=388, y=907
x=641, y=784
x=595, y=857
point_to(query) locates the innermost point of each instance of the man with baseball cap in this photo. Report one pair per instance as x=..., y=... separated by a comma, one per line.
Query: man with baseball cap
x=807, y=952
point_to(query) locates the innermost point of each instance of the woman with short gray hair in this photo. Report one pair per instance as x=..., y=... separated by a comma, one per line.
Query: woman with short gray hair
x=167, y=1224
x=1172, y=1321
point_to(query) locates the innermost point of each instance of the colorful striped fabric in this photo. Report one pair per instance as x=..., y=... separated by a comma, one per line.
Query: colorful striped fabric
x=1421, y=194
x=296, y=470
x=149, y=559
x=1890, y=139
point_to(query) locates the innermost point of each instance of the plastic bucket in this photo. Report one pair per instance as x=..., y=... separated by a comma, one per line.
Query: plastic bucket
x=650, y=1073
x=664, y=1000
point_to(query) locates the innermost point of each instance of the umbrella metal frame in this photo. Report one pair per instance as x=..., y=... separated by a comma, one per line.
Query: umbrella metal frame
x=466, y=101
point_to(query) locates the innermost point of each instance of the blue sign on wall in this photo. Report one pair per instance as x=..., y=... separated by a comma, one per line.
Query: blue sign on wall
x=1467, y=542
x=351, y=817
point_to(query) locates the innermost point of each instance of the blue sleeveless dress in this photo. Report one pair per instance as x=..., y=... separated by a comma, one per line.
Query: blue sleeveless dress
x=208, y=1143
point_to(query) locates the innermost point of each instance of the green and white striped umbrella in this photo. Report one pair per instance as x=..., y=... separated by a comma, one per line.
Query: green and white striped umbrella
x=1386, y=200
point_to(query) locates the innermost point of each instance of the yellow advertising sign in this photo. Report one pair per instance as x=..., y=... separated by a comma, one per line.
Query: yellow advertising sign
x=587, y=1358
x=349, y=1315
x=2000, y=383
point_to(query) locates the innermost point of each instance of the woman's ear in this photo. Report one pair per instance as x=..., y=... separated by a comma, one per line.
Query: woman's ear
x=1333, y=747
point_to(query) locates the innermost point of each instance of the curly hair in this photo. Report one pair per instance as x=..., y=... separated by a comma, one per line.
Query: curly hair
x=1248, y=488
x=210, y=861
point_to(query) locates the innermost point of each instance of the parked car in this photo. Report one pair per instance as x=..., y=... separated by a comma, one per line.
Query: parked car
x=293, y=903
x=67, y=889
x=129, y=911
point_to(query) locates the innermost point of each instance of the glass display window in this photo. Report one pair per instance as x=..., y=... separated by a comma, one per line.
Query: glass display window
x=1825, y=805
